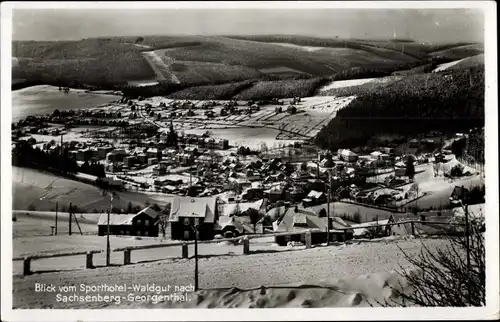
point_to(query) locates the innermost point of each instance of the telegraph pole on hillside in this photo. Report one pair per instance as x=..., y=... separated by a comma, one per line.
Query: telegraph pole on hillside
x=328, y=216
x=69, y=218
x=108, y=247
x=57, y=206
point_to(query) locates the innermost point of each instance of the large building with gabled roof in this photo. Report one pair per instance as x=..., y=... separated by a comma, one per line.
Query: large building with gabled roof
x=187, y=212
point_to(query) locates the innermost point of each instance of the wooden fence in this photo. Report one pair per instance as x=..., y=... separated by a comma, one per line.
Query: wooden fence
x=244, y=239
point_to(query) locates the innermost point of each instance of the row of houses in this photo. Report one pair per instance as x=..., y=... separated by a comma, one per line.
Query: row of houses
x=208, y=217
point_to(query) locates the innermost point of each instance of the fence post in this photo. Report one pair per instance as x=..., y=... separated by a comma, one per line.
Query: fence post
x=185, y=250
x=26, y=266
x=89, y=262
x=246, y=245
x=126, y=256
x=308, y=239
x=345, y=235
x=413, y=228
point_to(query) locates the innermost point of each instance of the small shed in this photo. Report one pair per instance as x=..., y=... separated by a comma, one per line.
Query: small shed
x=314, y=198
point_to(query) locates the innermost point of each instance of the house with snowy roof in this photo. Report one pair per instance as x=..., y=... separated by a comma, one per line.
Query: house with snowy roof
x=241, y=208
x=314, y=198
x=298, y=220
x=347, y=155
x=187, y=213
x=144, y=223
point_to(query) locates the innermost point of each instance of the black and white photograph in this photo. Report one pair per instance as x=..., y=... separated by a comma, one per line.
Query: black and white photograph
x=321, y=157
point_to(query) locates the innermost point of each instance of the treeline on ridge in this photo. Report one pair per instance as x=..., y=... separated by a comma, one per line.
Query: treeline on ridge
x=449, y=102
x=98, y=62
x=425, y=65
x=244, y=90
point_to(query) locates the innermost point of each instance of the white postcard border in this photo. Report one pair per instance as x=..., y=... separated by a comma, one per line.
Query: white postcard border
x=491, y=166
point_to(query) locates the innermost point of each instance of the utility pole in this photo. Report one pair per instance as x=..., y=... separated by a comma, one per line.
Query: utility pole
x=108, y=229
x=57, y=206
x=69, y=219
x=328, y=213
x=195, y=229
x=196, y=259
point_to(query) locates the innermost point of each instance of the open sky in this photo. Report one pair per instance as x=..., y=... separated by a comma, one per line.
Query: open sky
x=433, y=25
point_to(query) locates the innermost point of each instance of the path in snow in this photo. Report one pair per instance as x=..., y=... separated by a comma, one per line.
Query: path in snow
x=160, y=67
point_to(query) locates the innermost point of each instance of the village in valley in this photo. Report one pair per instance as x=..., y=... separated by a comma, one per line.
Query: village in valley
x=166, y=147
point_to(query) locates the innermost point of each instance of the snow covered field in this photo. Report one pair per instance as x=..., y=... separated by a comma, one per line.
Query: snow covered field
x=437, y=189
x=306, y=48
x=346, y=83
x=41, y=191
x=253, y=137
x=44, y=99
x=445, y=66
x=358, y=82
x=349, y=267
x=38, y=223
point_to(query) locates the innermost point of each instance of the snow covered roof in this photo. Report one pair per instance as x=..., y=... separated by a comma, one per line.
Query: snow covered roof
x=116, y=219
x=314, y=194
x=350, y=170
x=148, y=211
x=346, y=152
x=225, y=221
x=301, y=216
x=193, y=207
x=257, y=185
x=232, y=208
x=326, y=163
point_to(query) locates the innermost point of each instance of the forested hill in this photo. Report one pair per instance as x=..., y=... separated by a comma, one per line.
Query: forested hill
x=449, y=101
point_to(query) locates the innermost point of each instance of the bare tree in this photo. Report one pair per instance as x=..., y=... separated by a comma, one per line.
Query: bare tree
x=443, y=276
x=163, y=219
x=254, y=218
x=263, y=147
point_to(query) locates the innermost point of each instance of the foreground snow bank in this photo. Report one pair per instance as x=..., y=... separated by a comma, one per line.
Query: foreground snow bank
x=361, y=291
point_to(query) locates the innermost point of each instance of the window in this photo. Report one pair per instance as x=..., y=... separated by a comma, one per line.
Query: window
x=186, y=222
x=186, y=234
x=146, y=233
x=127, y=232
x=138, y=221
x=196, y=221
x=146, y=222
x=122, y=232
x=139, y=233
